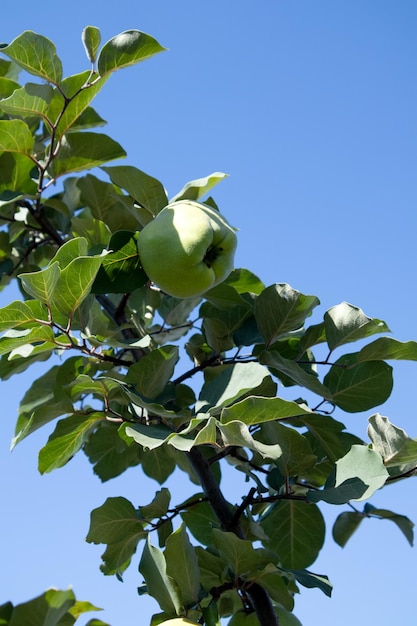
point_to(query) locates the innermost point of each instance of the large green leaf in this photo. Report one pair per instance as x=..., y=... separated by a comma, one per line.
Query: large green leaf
x=15, y=136
x=117, y=524
x=152, y=372
x=297, y=456
x=280, y=310
x=37, y=55
x=296, y=531
x=358, y=387
x=182, y=566
x=291, y=369
x=256, y=410
x=41, y=285
x=107, y=205
x=109, y=454
x=12, y=340
x=75, y=283
x=357, y=476
x=159, y=584
x=67, y=439
x=15, y=176
x=387, y=348
x=84, y=150
x=345, y=323
x=22, y=315
x=32, y=99
x=147, y=191
x=227, y=384
x=128, y=48
x=121, y=270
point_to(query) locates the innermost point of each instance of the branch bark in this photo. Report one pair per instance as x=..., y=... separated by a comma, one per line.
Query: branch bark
x=260, y=600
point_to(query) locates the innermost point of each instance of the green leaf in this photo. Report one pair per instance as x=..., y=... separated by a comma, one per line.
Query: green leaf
x=107, y=205
x=14, y=339
x=152, y=372
x=15, y=176
x=121, y=270
x=68, y=437
x=393, y=444
x=32, y=99
x=47, y=609
x=245, y=281
x=128, y=48
x=326, y=436
x=7, y=86
x=345, y=323
x=311, y=581
x=37, y=55
x=147, y=191
x=296, y=532
x=158, y=464
x=358, y=387
x=75, y=283
x=240, y=554
x=159, y=584
x=364, y=464
x=225, y=385
x=182, y=566
x=297, y=456
x=200, y=519
x=402, y=522
x=280, y=365
x=109, y=453
x=41, y=285
x=158, y=507
x=84, y=150
x=91, y=39
x=238, y=434
x=345, y=525
x=196, y=189
x=256, y=410
x=114, y=521
x=22, y=315
x=116, y=524
x=279, y=310
x=387, y=348
x=15, y=136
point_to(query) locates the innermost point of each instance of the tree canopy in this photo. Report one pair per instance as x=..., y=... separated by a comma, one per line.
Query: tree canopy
x=232, y=380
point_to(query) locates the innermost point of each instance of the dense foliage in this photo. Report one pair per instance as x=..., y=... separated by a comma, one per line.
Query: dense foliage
x=124, y=393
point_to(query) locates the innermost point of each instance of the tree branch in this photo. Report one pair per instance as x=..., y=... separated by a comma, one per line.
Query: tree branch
x=259, y=598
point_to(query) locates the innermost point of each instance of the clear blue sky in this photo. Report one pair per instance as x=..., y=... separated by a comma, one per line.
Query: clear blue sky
x=310, y=106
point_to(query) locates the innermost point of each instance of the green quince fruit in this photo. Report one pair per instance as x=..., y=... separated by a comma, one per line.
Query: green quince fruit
x=187, y=249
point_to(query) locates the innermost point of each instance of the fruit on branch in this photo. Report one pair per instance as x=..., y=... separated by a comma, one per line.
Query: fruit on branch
x=187, y=249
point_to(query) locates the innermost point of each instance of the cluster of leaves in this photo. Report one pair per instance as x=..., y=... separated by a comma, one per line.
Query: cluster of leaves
x=122, y=392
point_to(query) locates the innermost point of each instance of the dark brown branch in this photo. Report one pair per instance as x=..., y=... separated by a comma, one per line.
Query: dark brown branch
x=259, y=598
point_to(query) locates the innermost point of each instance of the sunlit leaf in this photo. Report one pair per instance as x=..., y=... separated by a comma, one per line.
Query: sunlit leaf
x=37, y=55
x=128, y=48
x=15, y=136
x=91, y=39
x=196, y=189
x=345, y=323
